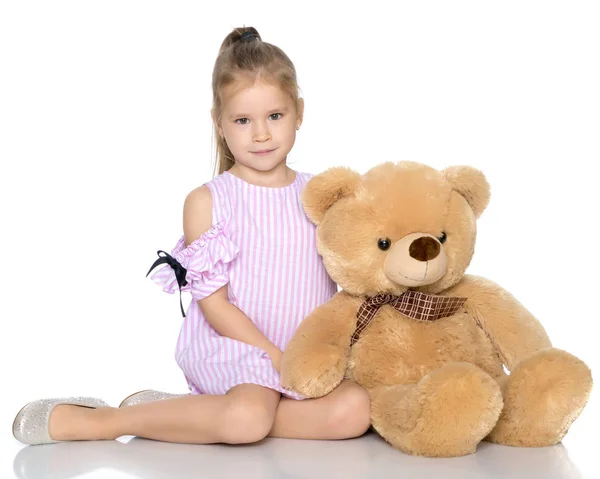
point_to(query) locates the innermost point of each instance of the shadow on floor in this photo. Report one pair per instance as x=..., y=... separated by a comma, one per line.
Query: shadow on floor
x=366, y=457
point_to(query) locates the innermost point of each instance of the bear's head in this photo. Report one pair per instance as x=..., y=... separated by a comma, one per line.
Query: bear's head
x=399, y=226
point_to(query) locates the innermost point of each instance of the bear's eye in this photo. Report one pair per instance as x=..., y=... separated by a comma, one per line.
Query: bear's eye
x=443, y=237
x=384, y=244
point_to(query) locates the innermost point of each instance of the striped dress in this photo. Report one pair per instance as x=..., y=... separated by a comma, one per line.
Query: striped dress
x=262, y=245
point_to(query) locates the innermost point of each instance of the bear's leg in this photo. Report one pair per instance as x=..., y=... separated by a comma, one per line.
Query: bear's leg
x=543, y=395
x=446, y=414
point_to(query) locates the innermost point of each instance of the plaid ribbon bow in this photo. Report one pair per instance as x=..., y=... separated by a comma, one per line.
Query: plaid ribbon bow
x=414, y=304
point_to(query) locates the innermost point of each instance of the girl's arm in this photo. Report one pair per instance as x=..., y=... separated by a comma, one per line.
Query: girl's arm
x=223, y=316
x=231, y=322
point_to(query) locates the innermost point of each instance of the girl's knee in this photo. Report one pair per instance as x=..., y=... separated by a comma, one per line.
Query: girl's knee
x=246, y=421
x=351, y=412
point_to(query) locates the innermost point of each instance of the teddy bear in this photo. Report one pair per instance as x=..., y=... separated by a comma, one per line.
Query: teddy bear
x=448, y=359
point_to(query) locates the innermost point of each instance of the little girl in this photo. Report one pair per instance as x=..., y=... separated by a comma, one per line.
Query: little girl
x=248, y=257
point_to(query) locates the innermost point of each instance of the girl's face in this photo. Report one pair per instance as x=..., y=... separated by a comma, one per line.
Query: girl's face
x=259, y=124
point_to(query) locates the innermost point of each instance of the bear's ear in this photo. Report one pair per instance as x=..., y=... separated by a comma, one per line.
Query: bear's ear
x=323, y=190
x=471, y=184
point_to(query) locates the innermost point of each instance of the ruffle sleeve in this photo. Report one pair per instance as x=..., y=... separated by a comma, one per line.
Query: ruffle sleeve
x=206, y=260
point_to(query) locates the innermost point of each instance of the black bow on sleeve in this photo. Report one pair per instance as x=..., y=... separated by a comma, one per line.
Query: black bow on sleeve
x=179, y=270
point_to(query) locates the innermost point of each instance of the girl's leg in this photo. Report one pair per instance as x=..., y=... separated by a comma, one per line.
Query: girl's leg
x=342, y=414
x=245, y=414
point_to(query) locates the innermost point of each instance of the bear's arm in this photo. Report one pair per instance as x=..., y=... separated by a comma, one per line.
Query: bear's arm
x=314, y=361
x=513, y=330
x=330, y=323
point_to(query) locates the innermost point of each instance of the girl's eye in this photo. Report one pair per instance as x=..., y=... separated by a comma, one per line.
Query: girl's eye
x=245, y=121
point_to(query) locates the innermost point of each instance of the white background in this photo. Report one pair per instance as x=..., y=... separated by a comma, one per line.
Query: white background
x=105, y=127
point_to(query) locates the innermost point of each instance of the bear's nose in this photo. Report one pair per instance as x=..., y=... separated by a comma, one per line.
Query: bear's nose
x=424, y=248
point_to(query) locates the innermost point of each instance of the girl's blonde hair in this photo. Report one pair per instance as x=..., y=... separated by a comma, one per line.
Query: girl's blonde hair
x=244, y=56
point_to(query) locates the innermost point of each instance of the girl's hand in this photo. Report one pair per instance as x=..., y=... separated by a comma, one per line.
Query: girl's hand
x=276, y=355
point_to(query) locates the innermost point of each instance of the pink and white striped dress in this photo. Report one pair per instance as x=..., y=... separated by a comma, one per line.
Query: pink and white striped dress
x=264, y=247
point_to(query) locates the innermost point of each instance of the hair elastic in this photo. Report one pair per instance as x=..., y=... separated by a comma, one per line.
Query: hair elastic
x=248, y=36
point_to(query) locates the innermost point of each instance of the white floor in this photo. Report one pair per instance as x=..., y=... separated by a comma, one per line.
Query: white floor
x=366, y=457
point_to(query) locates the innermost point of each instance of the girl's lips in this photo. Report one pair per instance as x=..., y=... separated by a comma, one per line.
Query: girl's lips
x=263, y=152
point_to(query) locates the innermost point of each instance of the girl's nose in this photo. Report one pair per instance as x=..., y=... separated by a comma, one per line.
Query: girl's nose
x=261, y=133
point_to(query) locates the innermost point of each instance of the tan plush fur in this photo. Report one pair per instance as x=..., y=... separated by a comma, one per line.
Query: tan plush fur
x=437, y=388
